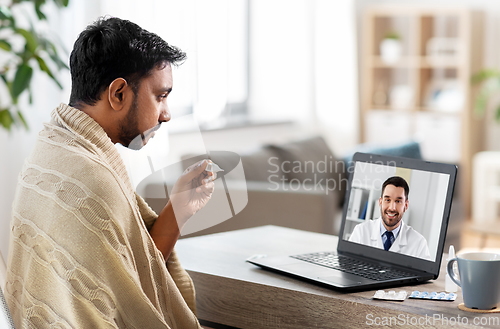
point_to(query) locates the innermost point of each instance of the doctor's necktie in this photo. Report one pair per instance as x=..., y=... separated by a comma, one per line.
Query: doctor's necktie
x=388, y=241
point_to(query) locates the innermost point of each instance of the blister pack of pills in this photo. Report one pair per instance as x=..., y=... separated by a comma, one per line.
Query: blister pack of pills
x=390, y=295
x=433, y=295
x=212, y=167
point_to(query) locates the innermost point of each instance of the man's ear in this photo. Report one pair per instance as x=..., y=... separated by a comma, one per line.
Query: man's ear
x=117, y=93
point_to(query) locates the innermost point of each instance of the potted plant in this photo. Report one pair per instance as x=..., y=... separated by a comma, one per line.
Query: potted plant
x=391, y=48
x=488, y=81
x=23, y=51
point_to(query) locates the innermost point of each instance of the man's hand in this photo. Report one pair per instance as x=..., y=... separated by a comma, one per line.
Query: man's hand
x=192, y=191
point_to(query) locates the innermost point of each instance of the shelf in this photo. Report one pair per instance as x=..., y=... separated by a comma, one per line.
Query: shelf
x=403, y=62
x=442, y=62
x=424, y=109
x=413, y=109
x=425, y=94
x=415, y=62
x=389, y=109
x=362, y=186
x=357, y=220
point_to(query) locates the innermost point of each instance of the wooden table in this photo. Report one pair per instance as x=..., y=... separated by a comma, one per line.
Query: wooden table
x=233, y=293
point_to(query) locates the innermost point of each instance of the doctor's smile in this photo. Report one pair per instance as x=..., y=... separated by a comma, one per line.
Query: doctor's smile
x=391, y=218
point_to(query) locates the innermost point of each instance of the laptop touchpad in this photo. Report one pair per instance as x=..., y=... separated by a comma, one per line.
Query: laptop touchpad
x=340, y=280
x=318, y=272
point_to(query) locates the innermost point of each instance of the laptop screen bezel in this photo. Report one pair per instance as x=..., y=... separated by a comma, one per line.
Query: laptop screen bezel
x=433, y=266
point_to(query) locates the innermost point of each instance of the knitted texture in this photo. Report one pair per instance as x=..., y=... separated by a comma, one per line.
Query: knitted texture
x=80, y=254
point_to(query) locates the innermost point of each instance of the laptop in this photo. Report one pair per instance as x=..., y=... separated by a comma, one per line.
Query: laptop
x=360, y=261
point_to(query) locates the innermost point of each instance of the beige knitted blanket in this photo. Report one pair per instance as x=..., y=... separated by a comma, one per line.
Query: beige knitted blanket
x=80, y=254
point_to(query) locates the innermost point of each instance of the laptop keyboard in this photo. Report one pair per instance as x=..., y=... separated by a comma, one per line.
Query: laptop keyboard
x=353, y=266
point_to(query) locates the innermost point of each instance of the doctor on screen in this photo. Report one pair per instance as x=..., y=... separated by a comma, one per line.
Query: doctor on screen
x=389, y=231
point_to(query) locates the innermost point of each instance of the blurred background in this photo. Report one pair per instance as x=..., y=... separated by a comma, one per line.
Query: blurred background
x=356, y=73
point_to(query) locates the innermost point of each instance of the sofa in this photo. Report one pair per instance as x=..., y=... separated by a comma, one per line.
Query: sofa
x=300, y=184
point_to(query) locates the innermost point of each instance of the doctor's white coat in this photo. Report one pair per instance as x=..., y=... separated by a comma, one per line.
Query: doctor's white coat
x=408, y=242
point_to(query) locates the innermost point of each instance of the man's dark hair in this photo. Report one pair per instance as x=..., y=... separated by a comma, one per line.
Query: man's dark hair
x=398, y=182
x=112, y=48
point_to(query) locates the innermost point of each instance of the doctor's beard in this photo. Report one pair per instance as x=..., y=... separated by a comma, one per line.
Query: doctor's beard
x=388, y=222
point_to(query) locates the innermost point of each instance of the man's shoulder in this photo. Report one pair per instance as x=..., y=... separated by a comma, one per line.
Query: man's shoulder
x=370, y=222
x=414, y=233
x=366, y=224
x=68, y=160
x=55, y=139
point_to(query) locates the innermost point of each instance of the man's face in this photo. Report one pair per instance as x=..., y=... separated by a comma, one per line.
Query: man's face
x=148, y=109
x=393, y=204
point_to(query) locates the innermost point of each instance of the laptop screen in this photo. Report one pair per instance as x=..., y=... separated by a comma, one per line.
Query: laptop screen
x=398, y=208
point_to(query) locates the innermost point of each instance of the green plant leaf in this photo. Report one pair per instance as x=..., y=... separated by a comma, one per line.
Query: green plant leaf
x=21, y=80
x=5, y=45
x=23, y=121
x=46, y=69
x=58, y=61
x=62, y=3
x=31, y=43
x=37, y=45
x=6, y=18
x=38, y=4
x=392, y=35
x=484, y=75
x=489, y=87
x=6, y=119
x=30, y=95
x=497, y=113
x=52, y=51
x=5, y=13
x=7, y=82
x=39, y=13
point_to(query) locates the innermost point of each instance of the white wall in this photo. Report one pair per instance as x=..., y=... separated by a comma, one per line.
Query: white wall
x=427, y=200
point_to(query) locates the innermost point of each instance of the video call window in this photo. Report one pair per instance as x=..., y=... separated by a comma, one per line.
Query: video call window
x=423, y=215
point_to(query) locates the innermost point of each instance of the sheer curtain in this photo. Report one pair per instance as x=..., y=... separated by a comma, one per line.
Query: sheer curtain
x=271, y=60
x=303, y=65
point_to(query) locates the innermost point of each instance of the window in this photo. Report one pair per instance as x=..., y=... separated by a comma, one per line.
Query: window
x=264, y=61
x=214, y=34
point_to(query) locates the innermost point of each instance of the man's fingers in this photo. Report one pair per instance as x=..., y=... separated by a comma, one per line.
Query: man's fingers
x=209, y=179
x=208, y=187
x=196, y=169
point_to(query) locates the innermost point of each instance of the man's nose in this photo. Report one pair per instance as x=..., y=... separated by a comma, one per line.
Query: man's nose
x=164, y=114
x=392, y=206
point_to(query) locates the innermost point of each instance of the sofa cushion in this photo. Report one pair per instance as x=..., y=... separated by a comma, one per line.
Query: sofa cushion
x=409, y=149
x=310, y=161
x=261, y=165
x=258, y=165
